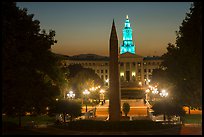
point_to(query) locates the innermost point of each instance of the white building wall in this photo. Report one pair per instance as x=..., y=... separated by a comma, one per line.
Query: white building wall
x=101, y=68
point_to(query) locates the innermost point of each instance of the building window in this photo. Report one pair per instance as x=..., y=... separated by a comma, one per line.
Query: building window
x=145, y=63
x=93, y=64
x=139, y=64
x=101, y=71
x=145, y=70
x=149, y=63
x=133, y=74
x=121, y=74
x=121, y=64
x=106, y=64
x=127, y=65
x=145, y=76
x=101, y=76
x=139, y=70
x=149, y=70
x=133, y=63
x=139, y=78
x=106, y=76
x=97, y=71
x=106, y=71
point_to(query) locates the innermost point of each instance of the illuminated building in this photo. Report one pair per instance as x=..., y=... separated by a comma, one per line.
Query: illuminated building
x=135, y=70
x=127, y=45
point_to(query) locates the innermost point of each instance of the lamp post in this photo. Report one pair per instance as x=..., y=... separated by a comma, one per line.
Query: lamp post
x=102, y=95
x=140, y=83
x=86, y=92
x=70, y=95
x=155, y=91
x=163, y=93
x=147, y=91
x=106, y=81
x=147, y=103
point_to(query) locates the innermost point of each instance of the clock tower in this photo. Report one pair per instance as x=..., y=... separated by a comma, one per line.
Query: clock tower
x=127, y=45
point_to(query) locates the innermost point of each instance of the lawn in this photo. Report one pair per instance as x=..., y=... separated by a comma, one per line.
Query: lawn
x=193, y=119
x=43, y=119
x=135, y=125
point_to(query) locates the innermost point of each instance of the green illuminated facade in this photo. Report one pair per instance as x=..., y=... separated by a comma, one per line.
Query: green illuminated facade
x=127, y=45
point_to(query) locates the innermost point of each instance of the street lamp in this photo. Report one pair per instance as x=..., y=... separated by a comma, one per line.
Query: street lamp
x=70, y=94
x=106, y=82
x=155, y=91
x=86, y=92
x=147, y=91
x=102, y=95
x=163, y=93
x=92, y=89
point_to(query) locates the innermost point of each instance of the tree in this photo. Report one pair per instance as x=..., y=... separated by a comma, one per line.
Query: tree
x=70, y=107
x=168, y=108
x=74, y=69
x=84, y=78
x=31, y=76
x=183, y=61
x=126, y=108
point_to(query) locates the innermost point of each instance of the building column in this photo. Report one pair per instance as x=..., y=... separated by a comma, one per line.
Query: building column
x=136, y=72
x=142, y=73
x=124, y=71
x=130, y=71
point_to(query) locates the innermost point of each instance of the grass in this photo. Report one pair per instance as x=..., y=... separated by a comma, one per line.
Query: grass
x=136, y=125
x=43, y=119
x=193, y=119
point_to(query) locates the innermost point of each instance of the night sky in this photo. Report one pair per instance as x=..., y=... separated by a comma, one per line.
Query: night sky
x=84, y=27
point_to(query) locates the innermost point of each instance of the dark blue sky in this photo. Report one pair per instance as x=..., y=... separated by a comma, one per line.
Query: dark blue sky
x=84, y=27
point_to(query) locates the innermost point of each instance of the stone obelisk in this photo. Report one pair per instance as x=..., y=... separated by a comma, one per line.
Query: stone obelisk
x=114, y=98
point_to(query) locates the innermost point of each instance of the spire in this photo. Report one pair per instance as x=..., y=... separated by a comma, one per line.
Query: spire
x=127, y=45
x=113, y=31
x=127, y=17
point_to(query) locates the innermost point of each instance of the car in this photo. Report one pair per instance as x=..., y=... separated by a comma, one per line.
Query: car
x=59, y=118
x=80, y=117
x=86, y=115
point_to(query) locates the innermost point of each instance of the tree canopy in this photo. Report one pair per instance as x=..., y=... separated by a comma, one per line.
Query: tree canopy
x=70, y=107
x=31, y=76
x=168, y=108
x=82, y=78
x=126, y=108
x=182, y=64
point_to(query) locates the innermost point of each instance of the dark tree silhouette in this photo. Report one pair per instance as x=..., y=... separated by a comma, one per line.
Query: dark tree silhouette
x=182, y=63
x=126, y=108
x=83, y=78
x=70, y=107
x=31, y=76
x=168, y=108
